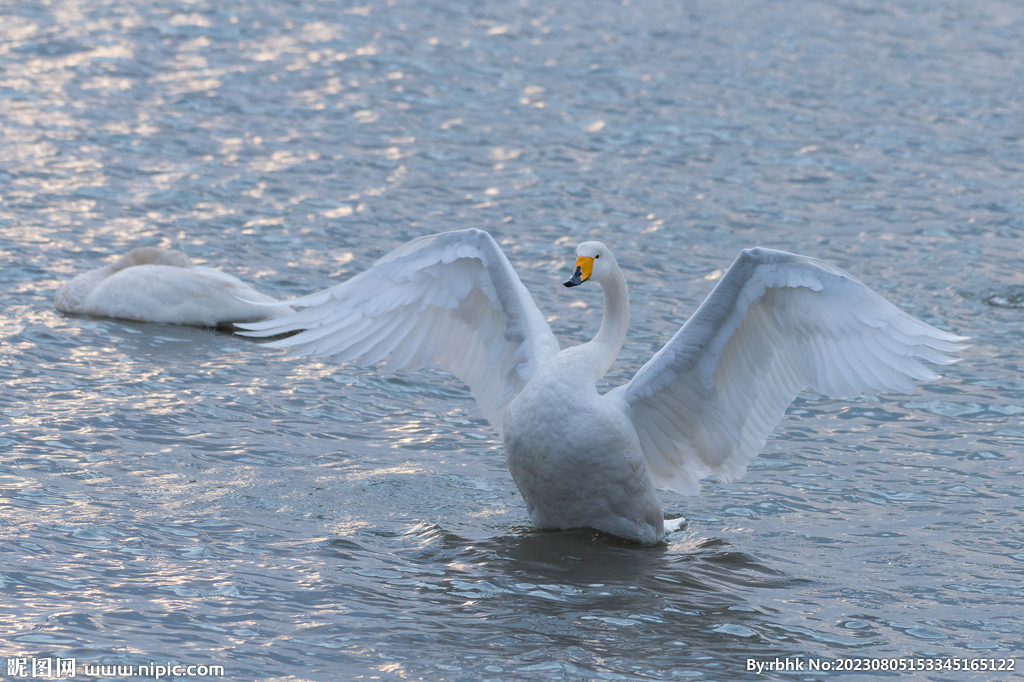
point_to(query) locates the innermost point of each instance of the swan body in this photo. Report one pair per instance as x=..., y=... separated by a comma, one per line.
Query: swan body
x=775, y=324
x=156, y=285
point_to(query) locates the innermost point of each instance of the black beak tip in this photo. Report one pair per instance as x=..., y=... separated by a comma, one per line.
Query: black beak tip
x=569, y=283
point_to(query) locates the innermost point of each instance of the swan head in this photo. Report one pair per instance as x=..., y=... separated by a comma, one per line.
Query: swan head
x=594, y=261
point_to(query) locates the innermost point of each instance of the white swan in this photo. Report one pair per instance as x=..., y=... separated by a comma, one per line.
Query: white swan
x=155, y=285
x=775, y=324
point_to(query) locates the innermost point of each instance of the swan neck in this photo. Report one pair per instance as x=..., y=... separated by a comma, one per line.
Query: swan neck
x=605, y=346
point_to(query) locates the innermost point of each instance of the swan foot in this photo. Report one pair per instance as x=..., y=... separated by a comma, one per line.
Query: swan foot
x=673, y=525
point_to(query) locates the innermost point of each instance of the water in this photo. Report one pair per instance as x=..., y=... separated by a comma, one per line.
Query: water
x=176, y=494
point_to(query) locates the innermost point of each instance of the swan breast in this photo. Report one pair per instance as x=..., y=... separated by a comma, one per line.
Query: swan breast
x=578, y=462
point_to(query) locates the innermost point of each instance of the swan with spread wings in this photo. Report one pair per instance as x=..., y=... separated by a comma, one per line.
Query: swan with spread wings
x=775, y=324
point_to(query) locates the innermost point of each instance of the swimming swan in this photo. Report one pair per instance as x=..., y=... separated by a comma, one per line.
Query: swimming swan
x=775, y=324
x=156, y=285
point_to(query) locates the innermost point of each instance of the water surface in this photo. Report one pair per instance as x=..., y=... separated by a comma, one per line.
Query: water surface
x=178, y=494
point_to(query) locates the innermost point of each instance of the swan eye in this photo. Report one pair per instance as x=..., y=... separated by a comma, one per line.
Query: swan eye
x=597, y=256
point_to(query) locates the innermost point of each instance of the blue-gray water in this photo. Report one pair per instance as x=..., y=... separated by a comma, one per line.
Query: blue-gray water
x=177, y=494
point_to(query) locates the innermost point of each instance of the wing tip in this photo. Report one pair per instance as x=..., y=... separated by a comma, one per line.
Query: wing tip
x=950, y=337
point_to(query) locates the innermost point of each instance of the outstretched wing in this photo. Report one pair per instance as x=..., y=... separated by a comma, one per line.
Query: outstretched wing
x=451, y=300
x=775, y=324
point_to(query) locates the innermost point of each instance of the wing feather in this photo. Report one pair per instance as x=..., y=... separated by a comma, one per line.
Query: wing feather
x=451, y=300
x=774, y=325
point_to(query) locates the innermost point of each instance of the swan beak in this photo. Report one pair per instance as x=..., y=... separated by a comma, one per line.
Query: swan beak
x=584, y=269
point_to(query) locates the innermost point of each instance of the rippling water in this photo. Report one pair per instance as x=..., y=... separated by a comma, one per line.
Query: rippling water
x=177, y=494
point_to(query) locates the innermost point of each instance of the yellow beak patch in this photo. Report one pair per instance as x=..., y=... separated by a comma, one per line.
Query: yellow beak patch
x=586, y=266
